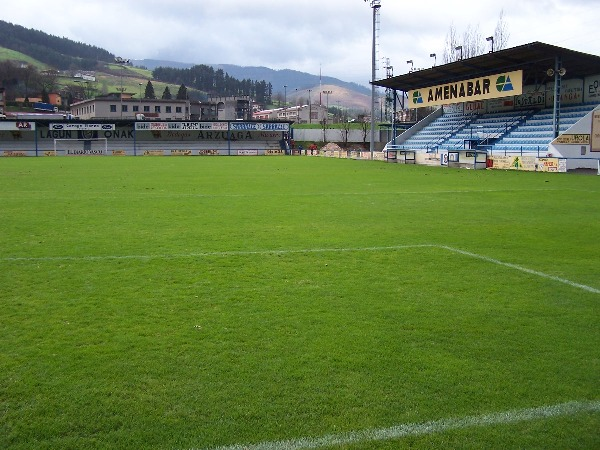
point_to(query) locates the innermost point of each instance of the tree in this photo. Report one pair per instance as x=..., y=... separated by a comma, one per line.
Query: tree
x=182, y=92
x=9, y=77
x=279, y=98
x=29, y=77
x=450, y=45
x=344, y=132
x=49, y=80
x=219, y=82
x=167, y=94
x=324, y=127
x=501, y=34
x=149, y=92
x=472, y=43
x=365, y=126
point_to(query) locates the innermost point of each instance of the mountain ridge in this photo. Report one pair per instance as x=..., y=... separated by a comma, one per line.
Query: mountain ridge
x=293, y=79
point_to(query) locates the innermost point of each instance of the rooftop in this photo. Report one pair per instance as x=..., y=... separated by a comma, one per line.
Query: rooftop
x=534, y=59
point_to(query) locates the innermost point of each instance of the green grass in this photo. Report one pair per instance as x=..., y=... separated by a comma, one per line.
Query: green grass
x=105, y=83
x=204, y=302
x=13, y=55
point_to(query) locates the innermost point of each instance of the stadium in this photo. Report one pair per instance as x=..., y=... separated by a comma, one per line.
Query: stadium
x=532, y=107
x=280, y=303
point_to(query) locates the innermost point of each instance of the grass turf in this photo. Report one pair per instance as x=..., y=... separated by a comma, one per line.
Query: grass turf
x=202, y=302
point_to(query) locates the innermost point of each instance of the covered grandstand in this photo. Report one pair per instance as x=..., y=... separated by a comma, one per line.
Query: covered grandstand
x=535, y=101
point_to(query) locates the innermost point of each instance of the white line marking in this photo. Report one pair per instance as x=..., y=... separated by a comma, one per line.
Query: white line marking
x=416, y=429
x=314, y=250
x=208, y=254
x=523, y=269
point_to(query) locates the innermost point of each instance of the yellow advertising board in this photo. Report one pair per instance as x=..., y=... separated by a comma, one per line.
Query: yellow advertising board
x=551, y=165
x=573, y=139
x=529, y=163
x=475, y=89
x=154, y=153
x=507, y=162
x=595, y=146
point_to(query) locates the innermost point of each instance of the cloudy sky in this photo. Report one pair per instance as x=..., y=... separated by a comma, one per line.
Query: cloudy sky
x=331, y=36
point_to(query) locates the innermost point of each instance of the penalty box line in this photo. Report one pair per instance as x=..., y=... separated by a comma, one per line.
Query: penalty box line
x=425, y=428
x=315, y=250
x=522, y=269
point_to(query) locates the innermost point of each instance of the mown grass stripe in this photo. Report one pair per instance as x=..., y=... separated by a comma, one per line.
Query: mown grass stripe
x=112, y=195
x=416, y=429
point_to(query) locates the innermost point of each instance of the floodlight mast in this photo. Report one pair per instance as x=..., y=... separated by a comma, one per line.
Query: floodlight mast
x=375, y=4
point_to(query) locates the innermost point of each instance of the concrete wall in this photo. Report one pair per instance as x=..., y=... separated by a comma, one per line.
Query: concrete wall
x=335, y=135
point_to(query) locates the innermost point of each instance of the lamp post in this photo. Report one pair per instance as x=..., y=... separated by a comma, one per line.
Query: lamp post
x=298, y=107
x=459, y=48
x=309, y=108
x=284, y=100
x=375, y=5
x=410, y=61
x=326, y=114
x=491, y=39
x=121, y=90
x=558, y=72
x=327, y=104
x=140, y=84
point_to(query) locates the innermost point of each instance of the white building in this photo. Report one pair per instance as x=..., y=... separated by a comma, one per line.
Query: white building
x=298, y=114
x=124, y=106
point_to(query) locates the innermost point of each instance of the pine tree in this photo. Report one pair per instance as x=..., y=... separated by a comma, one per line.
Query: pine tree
x=149, y=93
x=182, y=93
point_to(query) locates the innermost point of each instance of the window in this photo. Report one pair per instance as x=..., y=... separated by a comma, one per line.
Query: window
x=178, y=109
x=167, y=109
x=146, y=108
x=123, y=108
x=113, y=108
x=157, y=109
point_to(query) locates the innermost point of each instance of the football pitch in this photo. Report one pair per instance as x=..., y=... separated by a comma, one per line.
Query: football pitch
x=296, y=302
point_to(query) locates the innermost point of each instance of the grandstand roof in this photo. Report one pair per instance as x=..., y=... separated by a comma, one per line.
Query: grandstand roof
x=534, y=59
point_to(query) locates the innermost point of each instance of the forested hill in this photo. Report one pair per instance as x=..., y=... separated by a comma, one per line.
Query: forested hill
x=207, y=79
x=58, y=52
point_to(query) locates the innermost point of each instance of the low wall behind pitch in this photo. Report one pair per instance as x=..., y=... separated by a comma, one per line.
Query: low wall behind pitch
x=45, y=138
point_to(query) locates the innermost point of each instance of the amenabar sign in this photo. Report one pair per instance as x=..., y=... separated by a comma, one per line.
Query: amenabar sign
x=482, y=88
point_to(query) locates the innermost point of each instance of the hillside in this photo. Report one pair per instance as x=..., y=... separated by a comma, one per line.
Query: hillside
x=60, y=53
x=341, y=96
x=45, y=51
